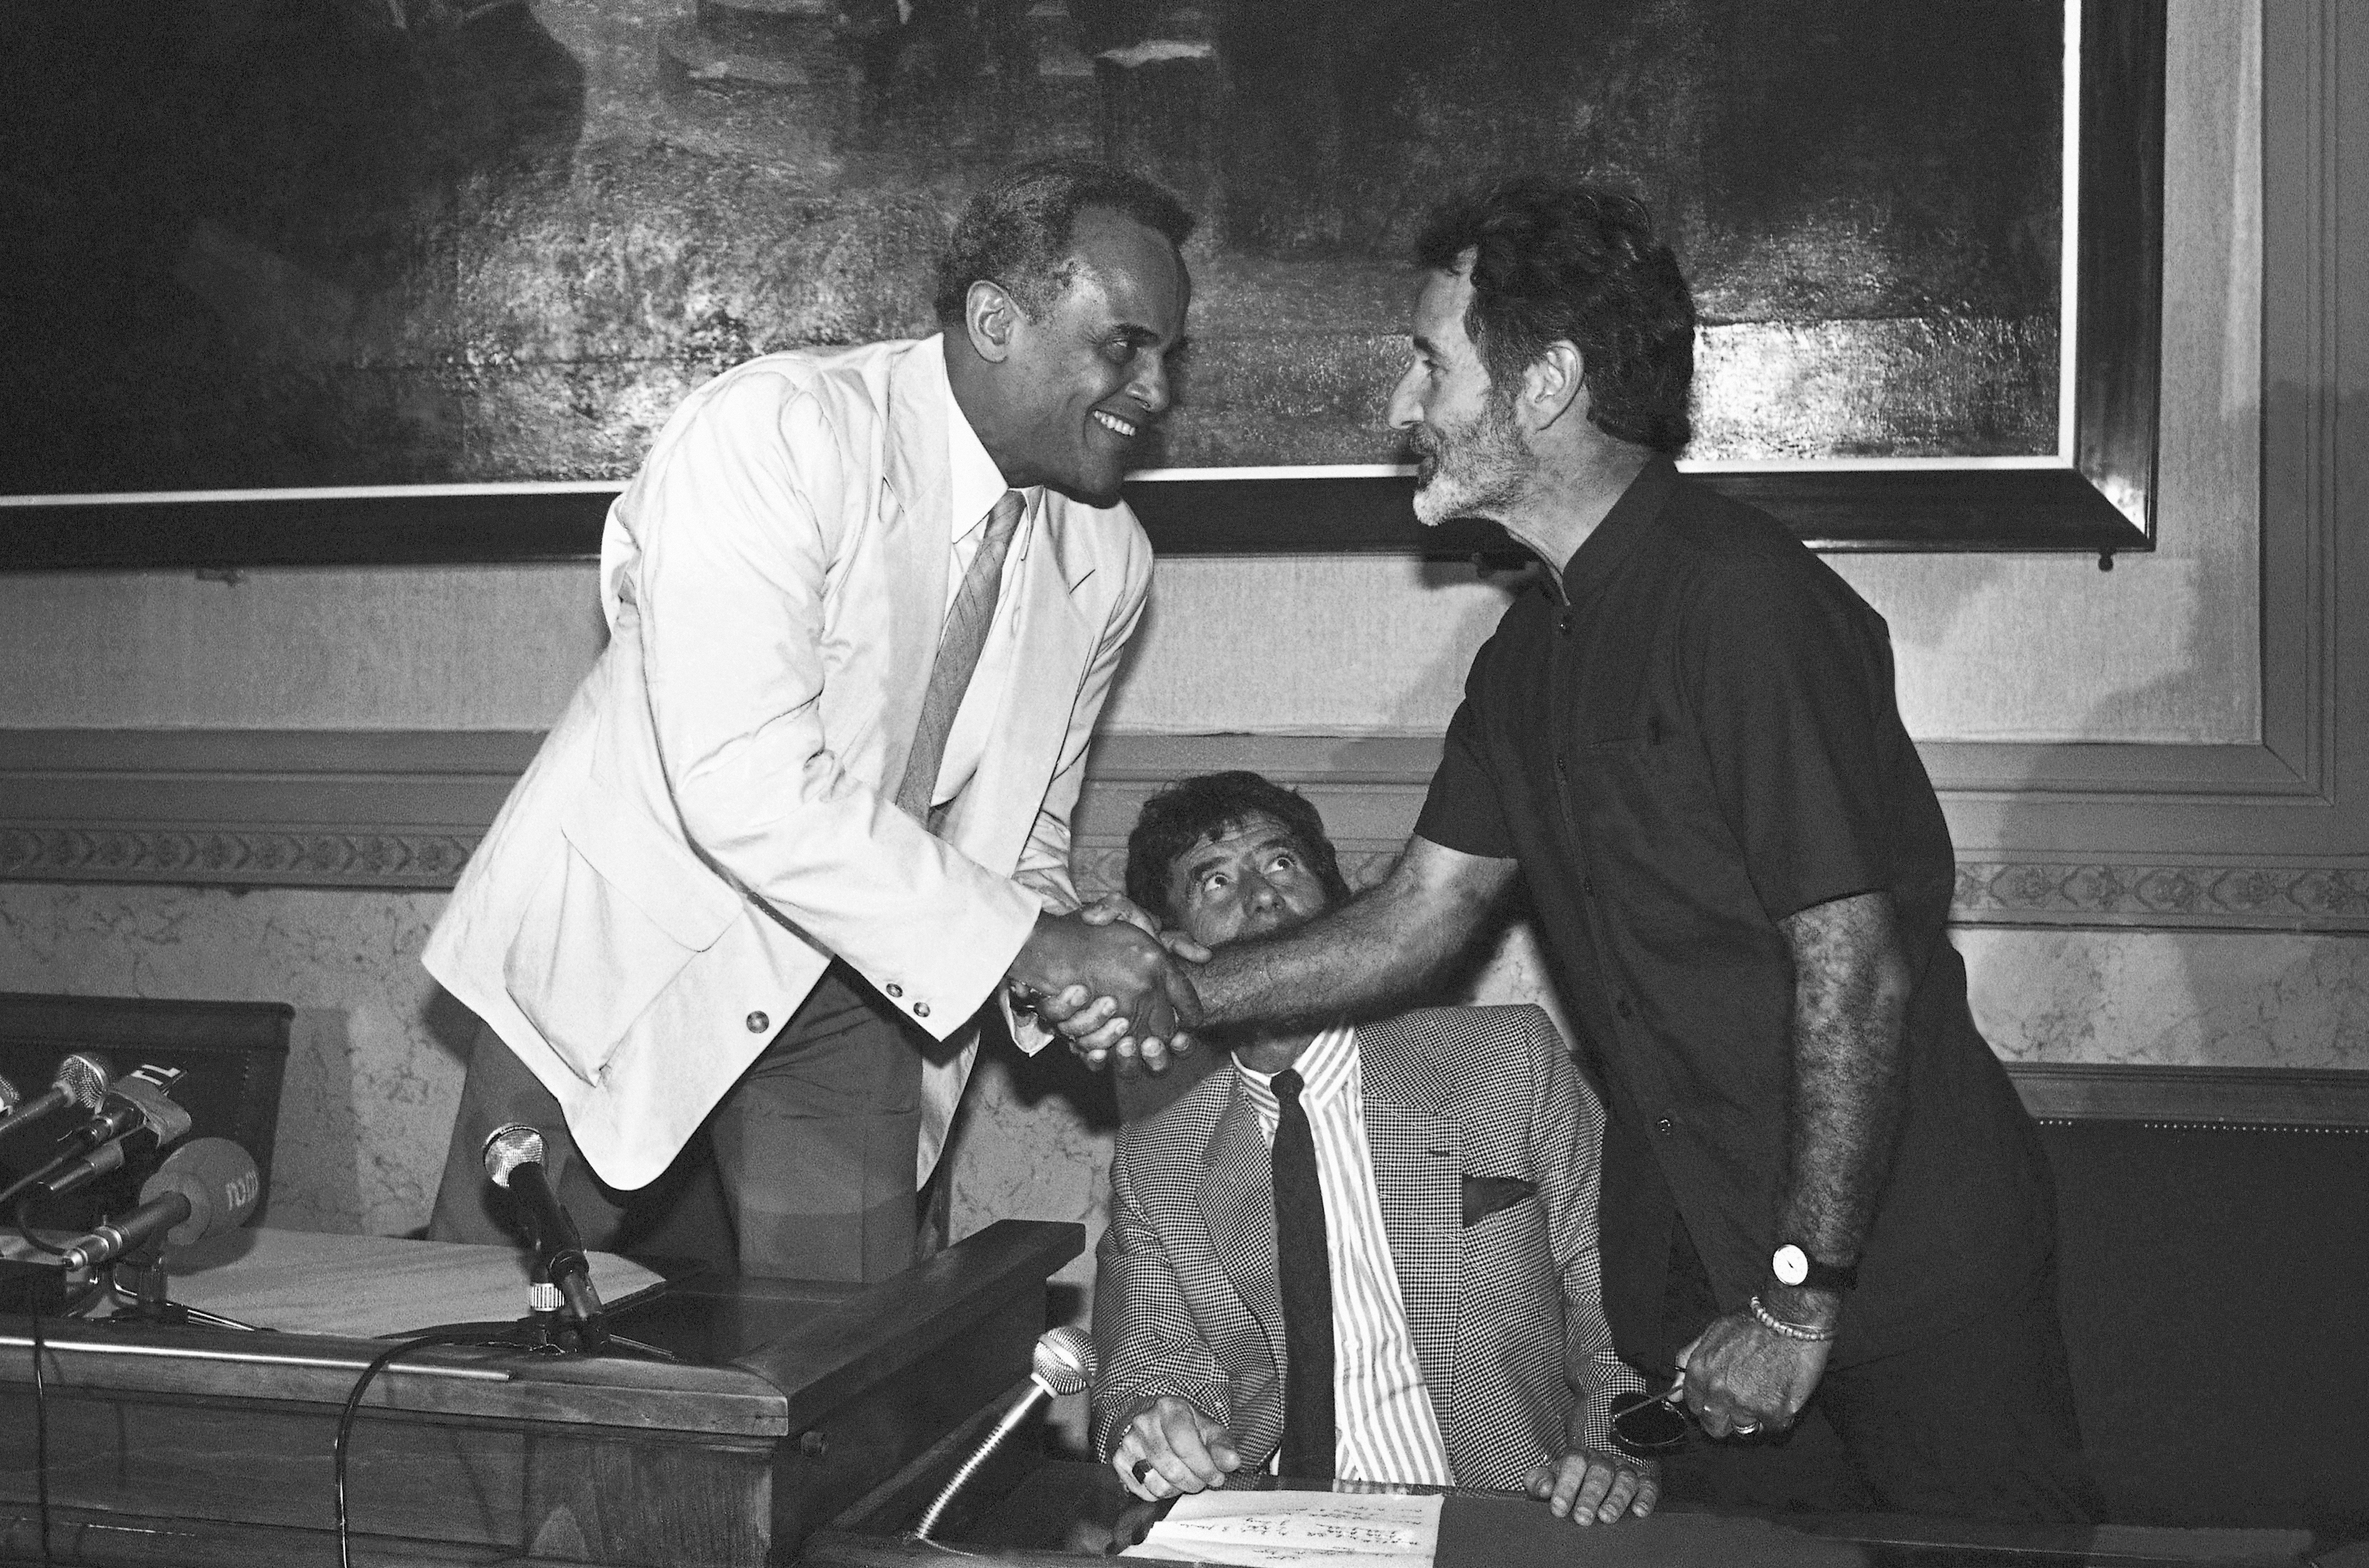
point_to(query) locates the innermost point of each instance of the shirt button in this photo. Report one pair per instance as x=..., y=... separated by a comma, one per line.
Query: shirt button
x=920, y=1010
x=756, y=1021
x=1664, y=1126
x=893, y=988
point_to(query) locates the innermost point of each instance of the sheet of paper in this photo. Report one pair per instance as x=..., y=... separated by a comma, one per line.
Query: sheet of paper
x=1282, y=1529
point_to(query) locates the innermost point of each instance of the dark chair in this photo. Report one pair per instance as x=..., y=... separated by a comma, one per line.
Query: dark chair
x=2215, y=1282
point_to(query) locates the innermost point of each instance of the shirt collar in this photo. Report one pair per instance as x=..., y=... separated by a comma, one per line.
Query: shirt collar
x=1600, y=556
x=1326, y=1069
x=975, y=483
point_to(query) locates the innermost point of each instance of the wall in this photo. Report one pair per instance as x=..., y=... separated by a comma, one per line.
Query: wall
x=2167, y=650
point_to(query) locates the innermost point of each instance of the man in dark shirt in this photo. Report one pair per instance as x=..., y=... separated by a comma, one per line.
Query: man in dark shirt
x=1821, y=1190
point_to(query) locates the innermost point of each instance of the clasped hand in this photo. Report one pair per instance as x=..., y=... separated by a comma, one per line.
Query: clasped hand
x=1103, y=979
x=1742, y=1378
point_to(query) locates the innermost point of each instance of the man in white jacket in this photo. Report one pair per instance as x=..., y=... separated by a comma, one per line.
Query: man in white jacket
x=810, y=810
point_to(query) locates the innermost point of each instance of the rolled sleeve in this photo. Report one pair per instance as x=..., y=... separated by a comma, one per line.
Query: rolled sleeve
x=1787, y=693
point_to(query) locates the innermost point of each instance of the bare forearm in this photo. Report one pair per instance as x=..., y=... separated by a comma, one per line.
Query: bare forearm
x=1381, y=949
x=1851, y=983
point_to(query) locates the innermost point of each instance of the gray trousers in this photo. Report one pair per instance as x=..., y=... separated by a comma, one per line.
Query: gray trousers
x=814, y=1147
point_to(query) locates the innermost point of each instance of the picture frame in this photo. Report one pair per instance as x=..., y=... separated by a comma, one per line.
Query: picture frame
x=2095, y=496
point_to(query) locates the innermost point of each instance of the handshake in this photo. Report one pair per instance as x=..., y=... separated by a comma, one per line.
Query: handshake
x=1108, y=981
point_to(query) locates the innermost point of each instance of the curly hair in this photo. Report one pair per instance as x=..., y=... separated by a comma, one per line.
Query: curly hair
x=1183, y=815
x=1016, y=231
x=1553, y=260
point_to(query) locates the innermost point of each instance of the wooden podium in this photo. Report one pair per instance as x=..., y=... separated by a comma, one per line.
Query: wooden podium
x=201, y=1447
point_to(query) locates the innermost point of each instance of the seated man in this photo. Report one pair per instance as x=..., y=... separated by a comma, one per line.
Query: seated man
x=1369, y=1252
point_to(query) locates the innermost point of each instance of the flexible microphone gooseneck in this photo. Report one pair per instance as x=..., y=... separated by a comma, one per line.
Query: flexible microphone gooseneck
x=514, y=1155
x=82, y=1080
x=1065, y=1364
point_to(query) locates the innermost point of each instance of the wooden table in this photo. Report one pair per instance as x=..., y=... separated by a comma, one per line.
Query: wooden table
x=1065, y=1515
x=199, y=1448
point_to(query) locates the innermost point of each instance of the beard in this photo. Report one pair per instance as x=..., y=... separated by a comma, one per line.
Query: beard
x=1476, y=469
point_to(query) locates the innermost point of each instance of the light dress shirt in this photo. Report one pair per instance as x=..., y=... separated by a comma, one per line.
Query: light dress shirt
x=977, y=484
x=1385, y=1427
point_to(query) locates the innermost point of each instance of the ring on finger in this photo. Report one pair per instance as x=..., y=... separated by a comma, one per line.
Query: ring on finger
x=1141, y=1469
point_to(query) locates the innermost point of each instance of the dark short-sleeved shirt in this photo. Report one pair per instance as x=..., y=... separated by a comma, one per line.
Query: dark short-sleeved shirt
x=1695, y=738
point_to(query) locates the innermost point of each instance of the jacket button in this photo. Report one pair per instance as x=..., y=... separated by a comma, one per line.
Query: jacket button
x=920, y=1010
x=1623, y=1008
x=1588, y=886
x=1664, y=1126
x=756, y=1021
x=893, y=988
x=1563, y=623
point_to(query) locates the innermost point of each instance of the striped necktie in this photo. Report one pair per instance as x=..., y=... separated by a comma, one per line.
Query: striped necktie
x=1305, y=1263
x=958, y=646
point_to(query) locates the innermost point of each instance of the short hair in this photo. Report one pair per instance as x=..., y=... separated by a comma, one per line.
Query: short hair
x=1016, y=231
x=1183, y=815
x=1558, y=260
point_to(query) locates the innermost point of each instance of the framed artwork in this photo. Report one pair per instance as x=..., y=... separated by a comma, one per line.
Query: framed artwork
x=315, y=281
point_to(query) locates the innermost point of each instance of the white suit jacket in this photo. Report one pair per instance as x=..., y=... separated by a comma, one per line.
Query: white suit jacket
x=713, y=818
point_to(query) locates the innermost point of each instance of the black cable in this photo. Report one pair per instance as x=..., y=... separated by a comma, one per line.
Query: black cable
x=379, y=1363
x=25, y=1228
x=40, y=1439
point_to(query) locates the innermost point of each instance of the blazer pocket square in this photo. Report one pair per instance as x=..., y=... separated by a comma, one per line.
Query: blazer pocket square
x=1484, y=1195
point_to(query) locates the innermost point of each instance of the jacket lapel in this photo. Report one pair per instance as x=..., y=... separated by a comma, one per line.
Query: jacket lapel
x=1238, y=1205
x=1056, y=627
x=1418, y=1168
x=914, y=548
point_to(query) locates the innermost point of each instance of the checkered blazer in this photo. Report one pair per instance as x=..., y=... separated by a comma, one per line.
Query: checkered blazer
x=1506, y=1314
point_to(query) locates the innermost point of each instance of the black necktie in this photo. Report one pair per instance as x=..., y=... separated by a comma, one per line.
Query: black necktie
x=1305, y=1263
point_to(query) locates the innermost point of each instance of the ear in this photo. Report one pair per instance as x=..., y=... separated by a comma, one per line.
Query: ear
x=1555, y=384
x=990, y=317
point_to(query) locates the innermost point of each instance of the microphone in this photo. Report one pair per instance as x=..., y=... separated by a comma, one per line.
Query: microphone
x=8, y=1097
x=1065, y=1363
x=136, y=1119
x=205, y=1188
x=514, y=1162
x=82, y=1080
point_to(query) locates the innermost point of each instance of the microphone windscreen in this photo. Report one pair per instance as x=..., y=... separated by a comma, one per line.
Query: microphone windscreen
x=85, y=1078
x=1066, y=1361
x=9, y=1098
x=507, y=1148
x=218, y=1179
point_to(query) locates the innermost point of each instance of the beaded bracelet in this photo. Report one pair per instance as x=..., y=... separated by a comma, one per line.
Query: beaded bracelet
x=1776, y=1324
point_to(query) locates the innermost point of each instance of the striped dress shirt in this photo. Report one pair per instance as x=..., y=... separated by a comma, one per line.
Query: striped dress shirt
x=1386, y=1428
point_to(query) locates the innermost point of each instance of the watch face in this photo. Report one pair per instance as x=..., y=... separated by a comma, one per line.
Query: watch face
x=1791, y=1264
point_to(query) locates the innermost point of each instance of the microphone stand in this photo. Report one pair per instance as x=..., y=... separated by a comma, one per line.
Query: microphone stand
x=550, y=1329
x=137, y=1283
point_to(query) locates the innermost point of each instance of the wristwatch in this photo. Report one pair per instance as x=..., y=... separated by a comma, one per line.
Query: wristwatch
x=1793, y=1265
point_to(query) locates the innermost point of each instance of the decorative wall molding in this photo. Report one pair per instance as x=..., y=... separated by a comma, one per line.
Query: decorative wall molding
x=2195, y=1096
x=393, y=810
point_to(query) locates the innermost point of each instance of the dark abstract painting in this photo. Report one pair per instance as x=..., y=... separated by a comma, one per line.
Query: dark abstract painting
x=294, y=243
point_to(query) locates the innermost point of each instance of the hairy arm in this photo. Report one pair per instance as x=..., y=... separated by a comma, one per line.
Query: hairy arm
x=1381, y=949
x=1851, y=980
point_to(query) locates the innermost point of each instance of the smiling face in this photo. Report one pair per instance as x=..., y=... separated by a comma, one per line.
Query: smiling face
x=1249, y=878
x=1470, y=460
x=1083, y=382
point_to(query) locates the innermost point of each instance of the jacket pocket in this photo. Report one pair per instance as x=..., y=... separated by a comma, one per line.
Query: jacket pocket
x=613, y=922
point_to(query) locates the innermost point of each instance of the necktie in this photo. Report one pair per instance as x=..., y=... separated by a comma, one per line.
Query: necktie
x=966, y=633
x=1305, y=1263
